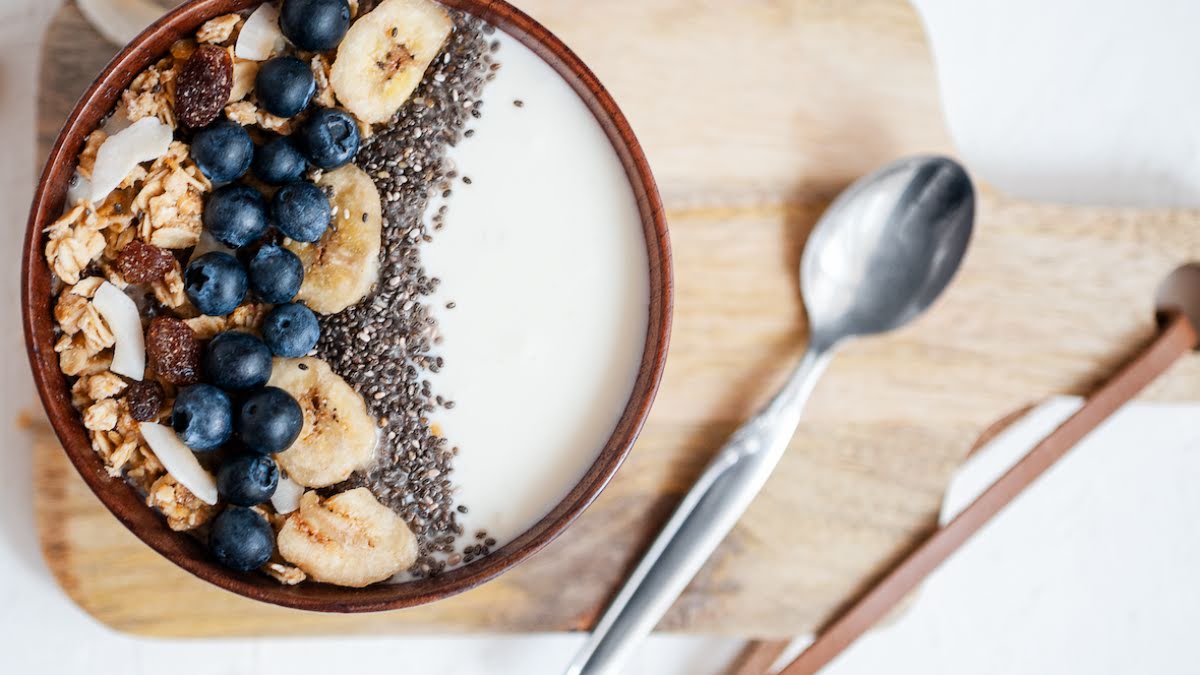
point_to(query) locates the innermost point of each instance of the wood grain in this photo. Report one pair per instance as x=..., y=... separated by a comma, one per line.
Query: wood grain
x=753, y=114
x=1177, y=339
x=757, y=657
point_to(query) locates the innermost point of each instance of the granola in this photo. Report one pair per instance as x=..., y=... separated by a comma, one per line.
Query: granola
x=171, y=200
x=116, y=217
x=247, y=114
x=98, y=387
x=152, y=94
x=85, y=340
x=87, y=158
x=321, y=68
x=75, y=359
x=170, y=293
x=207, y=327
x=219, y=30
x=74, y=241
x=182, y=509
x=248, y=317
x=280, y=125
x=122, y=448
x=101, y=416
x=77, y=316
x=244, y=113
x=288, y=575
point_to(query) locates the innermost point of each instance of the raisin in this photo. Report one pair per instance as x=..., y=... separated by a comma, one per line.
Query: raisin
x=145, y=400
x=202, y=91
x=141, y=263
x=173, y=350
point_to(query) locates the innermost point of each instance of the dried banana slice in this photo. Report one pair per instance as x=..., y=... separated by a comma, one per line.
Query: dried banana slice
x=349, y=539
x=341, y=268
x=385, y=54
x=339, y=435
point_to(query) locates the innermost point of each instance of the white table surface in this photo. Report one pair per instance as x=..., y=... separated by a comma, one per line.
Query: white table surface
x=1076, y=101
x=1029, y=617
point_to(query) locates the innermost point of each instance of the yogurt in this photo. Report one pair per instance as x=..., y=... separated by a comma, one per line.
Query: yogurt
x=544, y=297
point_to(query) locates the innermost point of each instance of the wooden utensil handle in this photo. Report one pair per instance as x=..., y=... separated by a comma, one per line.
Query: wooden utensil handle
x=1177, y=339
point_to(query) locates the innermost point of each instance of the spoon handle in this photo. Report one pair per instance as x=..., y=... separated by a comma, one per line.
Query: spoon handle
x=707, y=513
x=1178, y=338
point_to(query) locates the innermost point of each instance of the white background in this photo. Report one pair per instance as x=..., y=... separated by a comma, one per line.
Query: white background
x=1091, y=576
x=1080, y=101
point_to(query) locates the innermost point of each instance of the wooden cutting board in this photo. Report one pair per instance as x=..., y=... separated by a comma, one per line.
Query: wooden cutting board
x=754, y=114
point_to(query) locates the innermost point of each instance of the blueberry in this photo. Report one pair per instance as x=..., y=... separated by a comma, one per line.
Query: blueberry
x=236, y=361
x=215, y=283
x=270, y=420
x=236, y=215
x=284, y=86
x=330, y=138
x=241, y=539
x=202, y=417
x=279, y=162
x=301, y=211
x=247, y=480
x=315, y=25
x=291, y=330
x=275, y=274
x=223, y=151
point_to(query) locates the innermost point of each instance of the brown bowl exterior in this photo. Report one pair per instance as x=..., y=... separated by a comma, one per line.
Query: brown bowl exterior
x=185, y=551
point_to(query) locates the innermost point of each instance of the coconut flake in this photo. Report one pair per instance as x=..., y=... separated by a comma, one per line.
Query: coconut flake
x=208, y=244
x=145, y=140
x=261, y=36
x=80, y=189
x=179, y=461
x=121, y=314
x=287, y=495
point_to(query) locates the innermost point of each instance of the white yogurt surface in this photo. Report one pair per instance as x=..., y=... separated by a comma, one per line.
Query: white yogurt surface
x=544, y=257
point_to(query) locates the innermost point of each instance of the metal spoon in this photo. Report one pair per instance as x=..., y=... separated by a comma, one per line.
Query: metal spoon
x=880, y=255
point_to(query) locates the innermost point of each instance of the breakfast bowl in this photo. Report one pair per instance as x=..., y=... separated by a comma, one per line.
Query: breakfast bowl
x=523, y=240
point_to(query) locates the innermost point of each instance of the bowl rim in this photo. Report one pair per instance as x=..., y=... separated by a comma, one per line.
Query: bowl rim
x=124, y=502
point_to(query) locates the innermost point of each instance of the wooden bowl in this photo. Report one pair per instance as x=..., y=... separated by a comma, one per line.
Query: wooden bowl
x=186, y=551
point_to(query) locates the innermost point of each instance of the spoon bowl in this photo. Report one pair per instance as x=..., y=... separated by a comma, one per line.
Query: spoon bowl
x=886, y=248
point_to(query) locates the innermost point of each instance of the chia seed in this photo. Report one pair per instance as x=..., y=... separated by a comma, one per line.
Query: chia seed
x=392, y=330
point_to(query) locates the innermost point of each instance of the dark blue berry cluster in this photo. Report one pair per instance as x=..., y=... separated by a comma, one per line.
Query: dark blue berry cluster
x=233, y=409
